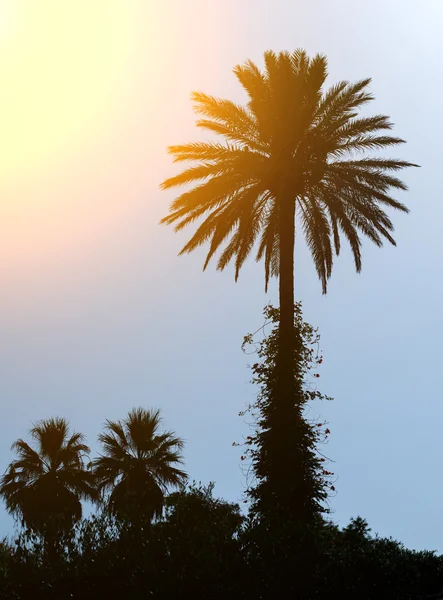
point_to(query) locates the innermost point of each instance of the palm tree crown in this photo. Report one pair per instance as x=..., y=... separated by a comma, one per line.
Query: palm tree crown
x=290, y=153
x=45, y=486
x=138, y=464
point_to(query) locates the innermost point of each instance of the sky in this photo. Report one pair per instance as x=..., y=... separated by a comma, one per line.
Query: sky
x=97, y=312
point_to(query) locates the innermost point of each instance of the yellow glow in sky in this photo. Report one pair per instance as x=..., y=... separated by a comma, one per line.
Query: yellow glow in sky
x=63, y=67
x=8, y=16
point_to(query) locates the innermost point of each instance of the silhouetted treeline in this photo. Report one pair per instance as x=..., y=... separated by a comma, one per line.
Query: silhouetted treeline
x=203, y=547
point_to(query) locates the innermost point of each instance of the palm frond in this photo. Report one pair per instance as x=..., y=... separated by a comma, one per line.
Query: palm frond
x=202, y=151
x=377, y=164
x=209, y=195
x=318, y=238
x=366, y=142
x=202, y=171
x=342, y=100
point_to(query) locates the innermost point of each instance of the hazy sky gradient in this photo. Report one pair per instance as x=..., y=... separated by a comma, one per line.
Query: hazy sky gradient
x=97, y=314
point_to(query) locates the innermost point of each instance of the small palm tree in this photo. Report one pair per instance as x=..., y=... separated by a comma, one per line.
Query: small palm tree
x=44, y=486
x=138, y=465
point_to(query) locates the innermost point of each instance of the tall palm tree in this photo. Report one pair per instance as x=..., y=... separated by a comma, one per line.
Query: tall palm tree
x=292, y=154
x=44, y=486
x=138, y=465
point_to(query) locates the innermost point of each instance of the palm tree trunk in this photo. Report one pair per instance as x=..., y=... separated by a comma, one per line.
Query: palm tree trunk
x=289, y=489
x=285, y=359
x=283, y=423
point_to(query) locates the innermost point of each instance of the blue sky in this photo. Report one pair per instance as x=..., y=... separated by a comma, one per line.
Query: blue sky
x=107, y=317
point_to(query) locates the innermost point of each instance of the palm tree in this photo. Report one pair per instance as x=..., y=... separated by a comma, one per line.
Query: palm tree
x=44, y=486
x=138, y=465
x=291, y=154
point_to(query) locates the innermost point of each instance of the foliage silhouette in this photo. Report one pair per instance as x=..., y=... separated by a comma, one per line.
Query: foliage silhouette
x=44, y=486
x=297, y=484
x=201, y=549
x=138, y=465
